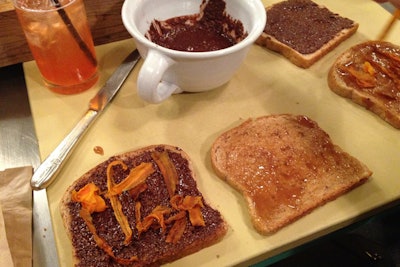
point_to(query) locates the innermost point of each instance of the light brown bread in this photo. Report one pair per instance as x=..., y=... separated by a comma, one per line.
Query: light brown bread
x=369, y=75
x=285, y=166
x=295, y=35
x=151, y=246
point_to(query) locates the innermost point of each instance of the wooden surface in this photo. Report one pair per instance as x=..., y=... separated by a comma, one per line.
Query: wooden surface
x=104, y=18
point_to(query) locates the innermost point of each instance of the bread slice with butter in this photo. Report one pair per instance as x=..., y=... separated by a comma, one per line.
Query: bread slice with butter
x=285, y=166
x=304, y=31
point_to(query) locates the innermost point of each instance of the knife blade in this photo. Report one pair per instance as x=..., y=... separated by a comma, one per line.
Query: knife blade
x=19, y=147
x=45, y=252
x=47, y=171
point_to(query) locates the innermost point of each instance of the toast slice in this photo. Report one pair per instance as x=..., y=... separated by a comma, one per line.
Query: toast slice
x=285, y=166
x=369, y=74
x=141, y=208
x=304, y=31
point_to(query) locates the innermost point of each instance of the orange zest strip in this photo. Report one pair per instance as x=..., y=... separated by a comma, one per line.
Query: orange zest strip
x=196, y=217
x=137, y=176
x=116, y=204
x=110, y=181
x=386, y=69
x=85, y=214
x=176, y=231
x=193, y=205
x=138, y=217
x=89, y=197
x=181, y=214
x=136, y=191
x=121, y=218
x=167, y=169
x=393, y=57
x=156, y=216
x=363, y=79
x=367, y=67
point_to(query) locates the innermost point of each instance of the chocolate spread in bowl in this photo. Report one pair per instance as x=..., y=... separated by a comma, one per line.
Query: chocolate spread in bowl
x=209, y=30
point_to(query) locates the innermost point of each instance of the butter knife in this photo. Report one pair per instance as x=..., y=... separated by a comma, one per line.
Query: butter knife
x=50, y=167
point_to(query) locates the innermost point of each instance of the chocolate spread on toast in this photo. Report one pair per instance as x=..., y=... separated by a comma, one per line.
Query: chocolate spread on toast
x=304, y=25
x=149, y=246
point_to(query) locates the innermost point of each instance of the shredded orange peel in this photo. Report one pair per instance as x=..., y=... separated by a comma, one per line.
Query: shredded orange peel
x=191, y=204
x=90, y=199
x=177, y=230
x=367, y=67
x=156, y=216
x=182, y=206
x=86, y=216
x=91, y=202
x=167, y=169
x=136, y=176
x=364, y=77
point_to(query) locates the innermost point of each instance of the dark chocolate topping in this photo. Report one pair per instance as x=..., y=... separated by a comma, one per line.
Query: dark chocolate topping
x=211, y=29
x=151, y=247
x=303, y=25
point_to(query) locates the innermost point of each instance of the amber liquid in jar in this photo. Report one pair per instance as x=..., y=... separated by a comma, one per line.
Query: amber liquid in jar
x=66, y=67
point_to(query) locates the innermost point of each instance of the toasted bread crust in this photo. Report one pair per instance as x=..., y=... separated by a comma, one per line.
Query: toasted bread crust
x=387, y=109
x=285, y=166
x=304, y=60
x=201, y=237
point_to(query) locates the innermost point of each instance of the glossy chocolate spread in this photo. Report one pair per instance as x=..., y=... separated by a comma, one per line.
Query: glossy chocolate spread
x=150, y=246
x=303, y=25
x=211, y=29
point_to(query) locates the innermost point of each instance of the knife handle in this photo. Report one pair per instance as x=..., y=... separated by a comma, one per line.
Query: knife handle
x=46, y=172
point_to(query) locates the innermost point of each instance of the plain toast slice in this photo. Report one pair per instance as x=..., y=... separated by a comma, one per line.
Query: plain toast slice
x=285, y=166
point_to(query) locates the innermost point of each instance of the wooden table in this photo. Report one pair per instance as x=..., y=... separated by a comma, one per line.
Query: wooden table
x=104, y=18
x=267, y=83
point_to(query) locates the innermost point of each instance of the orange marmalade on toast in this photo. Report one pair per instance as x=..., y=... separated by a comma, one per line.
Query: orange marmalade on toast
x=374, y=67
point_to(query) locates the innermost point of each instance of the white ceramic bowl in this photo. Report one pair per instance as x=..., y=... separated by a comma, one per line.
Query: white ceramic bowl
x=166, y=71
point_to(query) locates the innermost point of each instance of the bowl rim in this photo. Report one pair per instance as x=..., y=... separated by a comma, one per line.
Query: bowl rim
x=252, y=36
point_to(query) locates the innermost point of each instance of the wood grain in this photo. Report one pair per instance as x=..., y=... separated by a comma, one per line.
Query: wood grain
x=104, y=18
